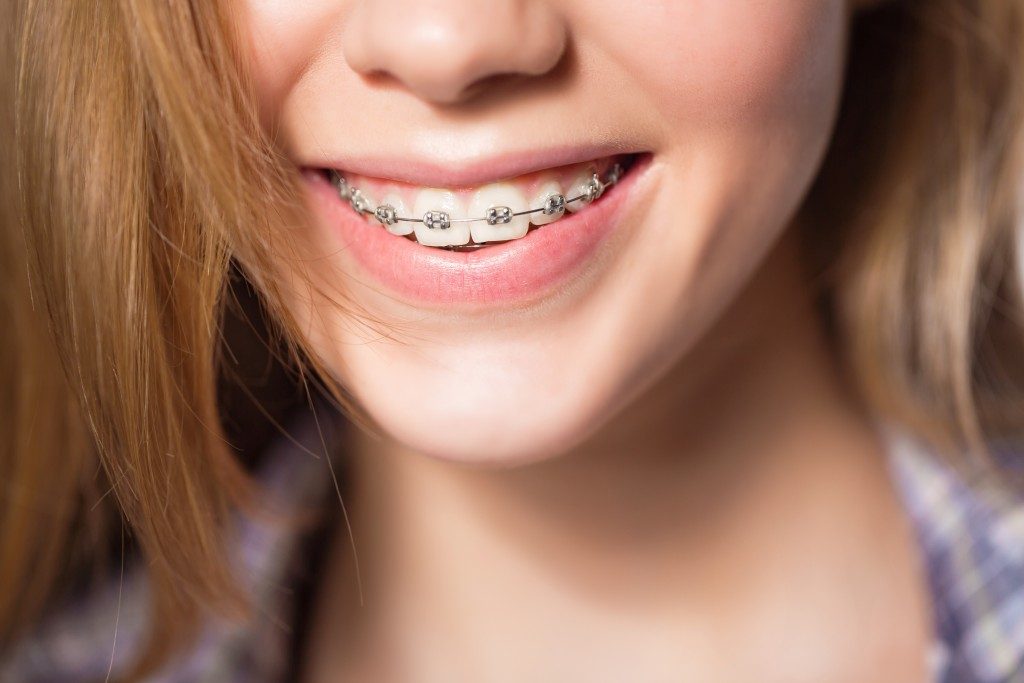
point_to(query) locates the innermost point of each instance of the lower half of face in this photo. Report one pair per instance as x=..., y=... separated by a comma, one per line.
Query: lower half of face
x=512, y=341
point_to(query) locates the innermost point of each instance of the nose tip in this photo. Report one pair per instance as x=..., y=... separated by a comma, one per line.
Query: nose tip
x=440, y=49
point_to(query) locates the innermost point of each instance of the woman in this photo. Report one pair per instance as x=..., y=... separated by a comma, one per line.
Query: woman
x=675, y=341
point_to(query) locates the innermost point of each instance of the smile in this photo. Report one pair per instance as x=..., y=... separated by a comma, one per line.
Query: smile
x=472, y=244
x=469, y=219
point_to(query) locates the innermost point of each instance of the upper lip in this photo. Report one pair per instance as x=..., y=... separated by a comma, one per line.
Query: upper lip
x=458, y=171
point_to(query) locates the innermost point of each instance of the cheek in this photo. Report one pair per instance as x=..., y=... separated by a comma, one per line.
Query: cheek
x=284, y=37
x=718, y=61
x=746, y=95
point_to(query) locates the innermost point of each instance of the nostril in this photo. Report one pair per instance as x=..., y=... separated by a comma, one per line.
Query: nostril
x=379, y=79
x=492, y=82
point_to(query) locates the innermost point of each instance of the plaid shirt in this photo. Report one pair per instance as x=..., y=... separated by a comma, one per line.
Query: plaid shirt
x=972, y=540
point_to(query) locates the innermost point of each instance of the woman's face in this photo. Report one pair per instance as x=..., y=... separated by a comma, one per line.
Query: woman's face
x=520, y=350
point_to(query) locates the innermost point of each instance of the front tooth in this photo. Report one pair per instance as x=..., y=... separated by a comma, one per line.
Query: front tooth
x=577, y=188
x=498, y=195
x=540, y=196
x=401, y=209
x=431, y=199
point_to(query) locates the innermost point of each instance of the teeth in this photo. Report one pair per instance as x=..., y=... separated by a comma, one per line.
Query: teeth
x=543, y=191
x=578, y=187
x=450, y=218
x=360, y=200
x=498, y=195
x=440, y=200
x=401, y=209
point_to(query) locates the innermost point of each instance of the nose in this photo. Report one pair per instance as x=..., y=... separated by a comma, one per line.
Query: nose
x=440, y=49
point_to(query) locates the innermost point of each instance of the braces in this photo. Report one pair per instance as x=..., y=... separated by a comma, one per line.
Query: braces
x=554, y=204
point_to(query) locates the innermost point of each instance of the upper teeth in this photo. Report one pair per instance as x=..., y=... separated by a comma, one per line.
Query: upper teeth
x=494, y=203
x=495, y=212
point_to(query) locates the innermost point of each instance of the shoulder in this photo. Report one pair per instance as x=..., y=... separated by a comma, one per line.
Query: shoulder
x=971, y=535
x=99, y=633
x=87, y=637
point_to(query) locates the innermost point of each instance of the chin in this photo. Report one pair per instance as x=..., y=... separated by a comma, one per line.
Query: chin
x=488, y=440
x=498, y=418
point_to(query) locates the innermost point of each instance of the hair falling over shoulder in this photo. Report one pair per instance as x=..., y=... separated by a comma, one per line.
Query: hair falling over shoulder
x=136, y=171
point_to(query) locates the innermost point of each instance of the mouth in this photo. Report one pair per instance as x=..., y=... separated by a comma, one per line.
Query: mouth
x=472, y=218
x=484, y=238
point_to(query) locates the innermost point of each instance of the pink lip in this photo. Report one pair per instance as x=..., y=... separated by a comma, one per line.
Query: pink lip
x=467, y=172
x=509, y=272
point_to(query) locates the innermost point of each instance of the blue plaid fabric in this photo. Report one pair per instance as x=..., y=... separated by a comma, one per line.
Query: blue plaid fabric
x=971, y=537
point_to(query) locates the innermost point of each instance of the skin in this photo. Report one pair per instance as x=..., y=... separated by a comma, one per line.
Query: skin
x=660, y=471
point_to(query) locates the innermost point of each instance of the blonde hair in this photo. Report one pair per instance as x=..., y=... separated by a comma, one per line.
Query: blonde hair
x=140, y=169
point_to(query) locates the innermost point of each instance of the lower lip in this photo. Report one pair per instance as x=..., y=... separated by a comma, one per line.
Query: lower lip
x=516, y=271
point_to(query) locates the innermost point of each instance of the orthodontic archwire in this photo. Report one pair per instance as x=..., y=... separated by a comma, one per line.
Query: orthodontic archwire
x=554, y=204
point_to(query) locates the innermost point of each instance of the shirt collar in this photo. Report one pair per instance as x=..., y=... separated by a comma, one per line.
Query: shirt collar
x=972, y=539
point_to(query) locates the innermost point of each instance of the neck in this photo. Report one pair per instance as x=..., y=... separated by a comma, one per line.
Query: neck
x=715, y=465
